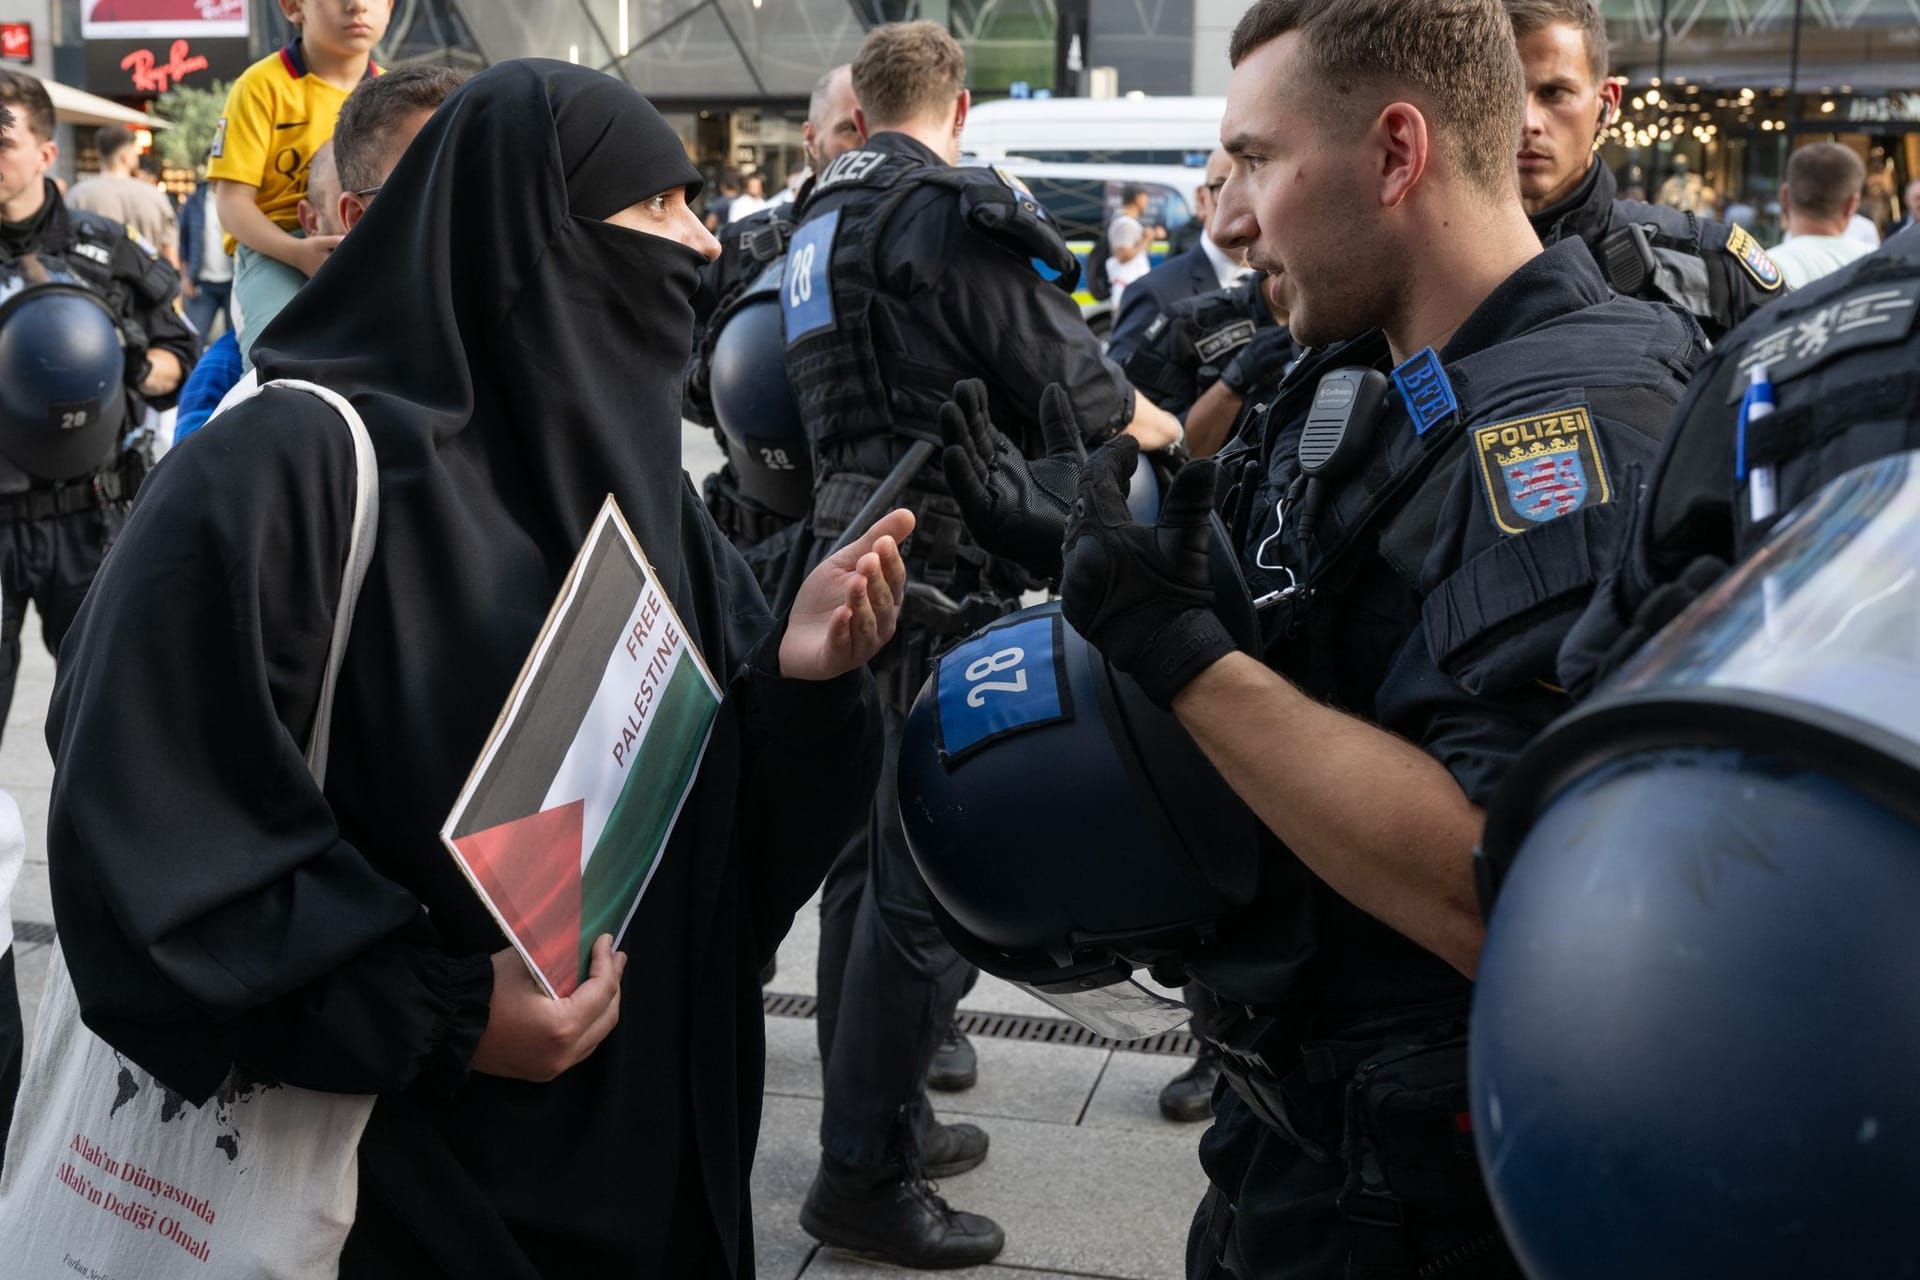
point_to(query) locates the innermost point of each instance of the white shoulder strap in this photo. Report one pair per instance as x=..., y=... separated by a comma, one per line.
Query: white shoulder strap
x=366, y=524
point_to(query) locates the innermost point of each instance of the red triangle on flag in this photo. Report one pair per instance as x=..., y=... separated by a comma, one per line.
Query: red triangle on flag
x=530, y=869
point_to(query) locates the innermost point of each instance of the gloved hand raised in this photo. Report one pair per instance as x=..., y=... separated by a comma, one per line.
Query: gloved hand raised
x=1142, y=594
x=1014, y=508
x=1261, y=361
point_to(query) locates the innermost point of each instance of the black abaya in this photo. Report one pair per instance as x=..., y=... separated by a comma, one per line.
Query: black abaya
x=515, y=359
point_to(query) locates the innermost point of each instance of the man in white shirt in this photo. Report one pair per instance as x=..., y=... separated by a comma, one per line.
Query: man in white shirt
x=1821, y=196
x=1201, y=269
x=750, y=201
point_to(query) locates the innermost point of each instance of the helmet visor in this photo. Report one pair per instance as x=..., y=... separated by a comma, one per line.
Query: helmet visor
x=1124, y=1010
x=1826, y=613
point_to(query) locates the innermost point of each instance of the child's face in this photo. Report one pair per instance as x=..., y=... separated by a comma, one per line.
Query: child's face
x=342, y=28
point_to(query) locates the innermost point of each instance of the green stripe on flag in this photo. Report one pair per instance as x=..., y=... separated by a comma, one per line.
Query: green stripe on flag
x=642, y=817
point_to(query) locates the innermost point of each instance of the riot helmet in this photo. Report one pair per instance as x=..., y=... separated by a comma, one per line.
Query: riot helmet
x=1695, y=1026
x=63, y=401
x=754, y=404
x=1069, y=831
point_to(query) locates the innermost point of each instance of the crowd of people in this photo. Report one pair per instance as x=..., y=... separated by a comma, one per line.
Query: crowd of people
x=1352, y=492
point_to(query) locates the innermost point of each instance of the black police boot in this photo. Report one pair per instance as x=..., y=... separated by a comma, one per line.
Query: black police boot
x=955, y=1065
x=1189, y=1096
x=949, y=1150
x=898, y=1217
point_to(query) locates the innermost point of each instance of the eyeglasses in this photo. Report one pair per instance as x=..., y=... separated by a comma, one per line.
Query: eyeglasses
x=365, y=192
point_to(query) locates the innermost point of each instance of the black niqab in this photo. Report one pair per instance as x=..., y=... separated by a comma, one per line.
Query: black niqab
x=515, y=359
x=517, y=328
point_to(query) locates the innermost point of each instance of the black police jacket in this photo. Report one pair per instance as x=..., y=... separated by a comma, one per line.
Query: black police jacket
x=906, y=275
x=140, y=288
x=1716, y=270
x=1431, y=589
x=1188, y=345
x=1843, y=358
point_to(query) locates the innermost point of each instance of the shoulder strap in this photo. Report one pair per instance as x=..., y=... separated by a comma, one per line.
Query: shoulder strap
x=366, y=524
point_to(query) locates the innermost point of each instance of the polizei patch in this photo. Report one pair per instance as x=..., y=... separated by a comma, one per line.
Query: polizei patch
x=1542, y=467
x=1753, y=259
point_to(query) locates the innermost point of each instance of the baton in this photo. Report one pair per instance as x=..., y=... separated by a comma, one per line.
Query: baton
x=883, y=498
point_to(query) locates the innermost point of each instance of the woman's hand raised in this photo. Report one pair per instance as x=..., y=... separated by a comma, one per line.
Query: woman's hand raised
x=848, y=606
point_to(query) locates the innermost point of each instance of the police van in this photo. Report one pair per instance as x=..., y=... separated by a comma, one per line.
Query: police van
x=1077, y=155
x=1161, y=132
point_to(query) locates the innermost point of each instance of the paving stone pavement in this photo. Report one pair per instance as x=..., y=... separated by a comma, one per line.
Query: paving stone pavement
x=1085, y=1176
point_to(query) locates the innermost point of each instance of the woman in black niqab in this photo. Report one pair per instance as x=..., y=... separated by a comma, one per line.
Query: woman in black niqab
x=515, y=357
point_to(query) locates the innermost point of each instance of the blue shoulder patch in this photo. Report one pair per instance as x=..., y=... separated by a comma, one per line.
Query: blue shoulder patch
x=1425, y=390
x=806, y=294
x=1005, y=680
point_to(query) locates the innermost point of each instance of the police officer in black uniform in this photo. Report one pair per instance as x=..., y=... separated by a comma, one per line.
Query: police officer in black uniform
x=1752, y=784
x=904, y=275
x=1716, y=270
x=749, y=496
x=1436, y=488
x=54, y=531
x=1213, y=360
x=1839, y=362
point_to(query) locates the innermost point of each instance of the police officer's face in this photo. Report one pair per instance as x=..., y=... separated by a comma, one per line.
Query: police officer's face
x=836, y=131
x=668, y=215
x=1301, y=199
x=23, y=160
x=1565, y=104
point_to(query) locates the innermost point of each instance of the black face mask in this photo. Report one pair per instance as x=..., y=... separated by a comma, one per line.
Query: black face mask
x=484, y=317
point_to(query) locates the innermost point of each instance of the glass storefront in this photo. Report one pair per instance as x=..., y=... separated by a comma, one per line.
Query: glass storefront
x=1720, y=92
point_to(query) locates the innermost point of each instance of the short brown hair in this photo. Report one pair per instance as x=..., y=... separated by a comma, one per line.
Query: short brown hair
x=29, y=101
x=907, y=69
x=367, y=118
x=109, y=140
x=1822, y=177
x=1458, y=55
x=1583, y=16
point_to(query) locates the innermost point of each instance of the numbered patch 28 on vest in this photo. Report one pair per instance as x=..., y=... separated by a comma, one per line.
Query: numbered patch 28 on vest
x=1541, y=467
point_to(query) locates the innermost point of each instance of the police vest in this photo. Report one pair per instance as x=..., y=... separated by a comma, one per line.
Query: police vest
x=83, y=248
x=847, y=385
x=1302, y=555
x=1843, y=359
x=1672, y=266
x=1189, y=344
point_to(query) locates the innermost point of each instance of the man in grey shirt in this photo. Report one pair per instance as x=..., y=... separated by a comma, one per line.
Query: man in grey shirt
x=116, y=193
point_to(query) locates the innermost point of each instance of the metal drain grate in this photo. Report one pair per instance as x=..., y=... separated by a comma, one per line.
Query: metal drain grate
x=1010, y=1026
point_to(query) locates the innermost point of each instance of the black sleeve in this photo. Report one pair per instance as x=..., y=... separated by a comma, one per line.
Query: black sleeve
x=810, y=763
x=154, y=287
x=214, y=914
x=1027, y=332
x=1481, y=674
x=809, y=753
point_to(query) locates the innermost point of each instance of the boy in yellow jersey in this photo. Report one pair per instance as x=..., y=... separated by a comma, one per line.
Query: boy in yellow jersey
x=278, y=113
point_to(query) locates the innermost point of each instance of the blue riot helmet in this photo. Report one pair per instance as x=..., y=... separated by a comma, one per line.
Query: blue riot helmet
x=63, y=400
x=754, y=404
x=1068, y=830
x=1696, y=1023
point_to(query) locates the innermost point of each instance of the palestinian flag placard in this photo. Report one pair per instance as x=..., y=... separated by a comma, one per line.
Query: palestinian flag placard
x=568, y=809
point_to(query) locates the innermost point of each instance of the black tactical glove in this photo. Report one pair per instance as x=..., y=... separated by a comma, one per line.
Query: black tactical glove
x=1262, y=360
x=1142, y=594
x=1014, y=508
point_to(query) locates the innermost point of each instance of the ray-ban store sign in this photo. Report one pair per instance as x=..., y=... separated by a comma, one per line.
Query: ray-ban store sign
x=148, y=68
x=16, y=41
